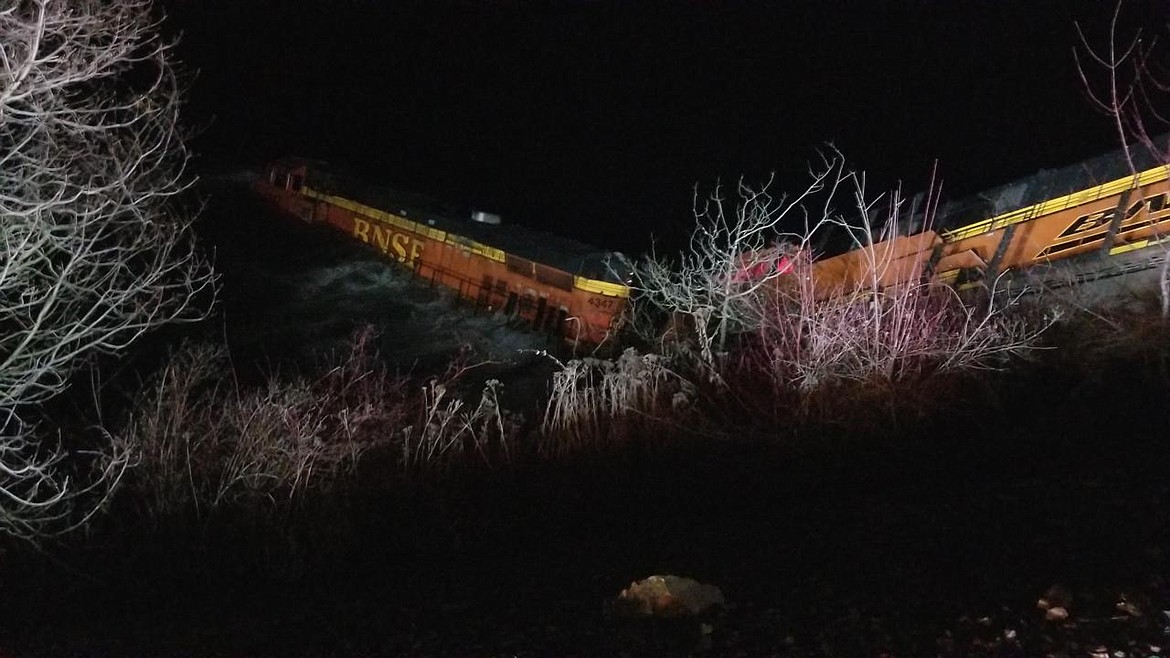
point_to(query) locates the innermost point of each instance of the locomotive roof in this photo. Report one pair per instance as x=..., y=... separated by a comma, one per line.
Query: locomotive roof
x=539, y=246
x=1049, y=184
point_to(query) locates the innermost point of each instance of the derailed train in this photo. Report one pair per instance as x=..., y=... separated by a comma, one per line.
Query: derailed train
x=1107, y=215
x=1095, y=219
x=551, y=283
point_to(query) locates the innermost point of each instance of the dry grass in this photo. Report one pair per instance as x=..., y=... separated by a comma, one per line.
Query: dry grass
x=598, y=403
x=448, y=432
x=203, y=443
x=902, y=333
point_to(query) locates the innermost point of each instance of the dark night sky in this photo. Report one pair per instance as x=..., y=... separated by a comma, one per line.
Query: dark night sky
x=596, y=119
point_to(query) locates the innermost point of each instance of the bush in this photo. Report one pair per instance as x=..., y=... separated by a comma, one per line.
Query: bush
x=897, y=334
x=771, y=325
x=202, y=443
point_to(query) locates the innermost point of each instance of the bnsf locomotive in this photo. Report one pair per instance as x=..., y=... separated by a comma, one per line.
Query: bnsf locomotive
x=1106, y=216
x=550, y=283
x=1102, y=217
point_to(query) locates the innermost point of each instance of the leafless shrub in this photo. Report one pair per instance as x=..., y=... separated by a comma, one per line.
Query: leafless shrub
x=202, y=443
x=801, y=327
x=93, y=251
x=1122, y=81
x=43, y=479
x=705, y=285
x=598, y=403
x=869, y=331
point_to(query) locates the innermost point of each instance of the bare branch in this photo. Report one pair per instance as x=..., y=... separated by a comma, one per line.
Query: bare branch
x=1126, y=93
x=736, y=253
x=747, y=273
x=94, y=249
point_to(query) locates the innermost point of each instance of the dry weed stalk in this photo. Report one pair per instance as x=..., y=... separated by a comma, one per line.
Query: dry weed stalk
x=595, y=403
x=448, y=432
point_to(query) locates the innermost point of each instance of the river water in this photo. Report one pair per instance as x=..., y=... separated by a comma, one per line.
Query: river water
x=293, y=294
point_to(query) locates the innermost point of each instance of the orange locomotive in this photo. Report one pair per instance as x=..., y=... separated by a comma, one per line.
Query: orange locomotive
x=1106, y=215
x=553, y=284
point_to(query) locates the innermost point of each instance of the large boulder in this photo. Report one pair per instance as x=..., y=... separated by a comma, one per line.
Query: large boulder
x=667, y=596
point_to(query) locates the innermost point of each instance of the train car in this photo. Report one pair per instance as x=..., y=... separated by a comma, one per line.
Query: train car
x=1106, y=216
x=550, y=283
x=1100, y=217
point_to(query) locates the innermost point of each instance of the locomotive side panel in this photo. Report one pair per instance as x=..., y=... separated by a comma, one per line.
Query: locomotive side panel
x=898, y=260
x=1119, y=215
x=972, y=254
x=1131, y=217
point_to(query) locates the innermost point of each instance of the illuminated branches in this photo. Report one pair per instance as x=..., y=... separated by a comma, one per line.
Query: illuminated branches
x=93, y=248
x=737, y=252
x=805, y=325
x=1128, y=92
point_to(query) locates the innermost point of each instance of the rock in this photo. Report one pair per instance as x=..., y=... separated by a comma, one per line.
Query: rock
x=667, y=596
x=1056, y=613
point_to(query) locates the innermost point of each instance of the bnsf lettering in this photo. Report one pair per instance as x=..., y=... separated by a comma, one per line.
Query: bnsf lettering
x=405, y=249
x=1092, y=227
x=1089, y=222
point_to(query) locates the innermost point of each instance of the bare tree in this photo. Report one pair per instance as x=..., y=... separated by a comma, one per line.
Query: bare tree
x=736, y=253
x=751, y=271
x=94, y=247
